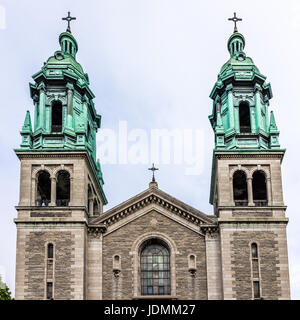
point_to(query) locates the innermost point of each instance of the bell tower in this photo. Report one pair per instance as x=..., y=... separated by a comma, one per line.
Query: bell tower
x=61, y=183
x=246, y=185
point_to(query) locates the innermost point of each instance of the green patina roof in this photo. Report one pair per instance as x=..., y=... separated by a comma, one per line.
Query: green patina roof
x=238, y=61
x=64, y=61
x=234, y=65
x=62, y=82
x=67, y=61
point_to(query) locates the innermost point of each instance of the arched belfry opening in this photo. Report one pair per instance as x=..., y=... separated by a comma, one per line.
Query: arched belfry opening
x=244, y=117
x=240, y=191
x=56, y=125
x=259, y=188
x=155, y=268
x=43, y=196
x=63, y=189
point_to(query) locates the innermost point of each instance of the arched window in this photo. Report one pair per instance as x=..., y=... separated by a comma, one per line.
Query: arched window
x=240, y=191
x=50, y=251
x=56, y=117
x=43, y=196
x=63, y=189
x=254, y=251
x=244, y=117
x=155, y=268
x=259, y=188
x=255, y=271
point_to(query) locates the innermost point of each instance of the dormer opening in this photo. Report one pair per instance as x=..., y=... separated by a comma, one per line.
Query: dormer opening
x=244, y=117
x=56, y=125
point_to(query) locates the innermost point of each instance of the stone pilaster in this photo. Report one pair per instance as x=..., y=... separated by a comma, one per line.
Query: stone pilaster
x=94, y=262
x=213, y=263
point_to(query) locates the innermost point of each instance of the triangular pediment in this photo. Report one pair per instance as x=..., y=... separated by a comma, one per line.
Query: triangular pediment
x=154, y=199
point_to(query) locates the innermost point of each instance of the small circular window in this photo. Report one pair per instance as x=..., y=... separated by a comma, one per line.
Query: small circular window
x=58, y=56
x=241, y=57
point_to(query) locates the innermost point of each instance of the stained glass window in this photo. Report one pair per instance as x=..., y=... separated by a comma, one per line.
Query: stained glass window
x=155, y=269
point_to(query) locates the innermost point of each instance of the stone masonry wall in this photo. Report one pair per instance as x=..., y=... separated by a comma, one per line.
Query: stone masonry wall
x=187, y=242
x=268, y=260
x=35, y=264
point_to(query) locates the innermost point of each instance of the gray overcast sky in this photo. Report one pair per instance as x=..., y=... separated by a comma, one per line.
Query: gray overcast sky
x=152, y=64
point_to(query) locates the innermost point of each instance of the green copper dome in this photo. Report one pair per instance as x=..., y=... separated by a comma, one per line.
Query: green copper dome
x=240, y=117
x=61, y=61
x=64, y=60
x=65, y=118
x=239, y=65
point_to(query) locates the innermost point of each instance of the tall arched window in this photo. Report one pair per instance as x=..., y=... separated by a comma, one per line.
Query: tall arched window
x=155, y=268
x=240, y=191
x=56, y=125
x=43, y=196
x=255, y=271
x=50, y=251
x=244, y=117
x=63, y=189
x=259, y=188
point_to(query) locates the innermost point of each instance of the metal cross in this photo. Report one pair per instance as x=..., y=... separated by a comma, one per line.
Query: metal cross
x=235, y=19
x=69, y=18
x=153, y=169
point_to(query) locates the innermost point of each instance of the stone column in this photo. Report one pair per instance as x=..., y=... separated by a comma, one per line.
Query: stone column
x=91, y=205
x=269, y=194
x=53, y=192
x=71, y=191
x=94, y=264
x=250, y=193
x=213, y=265
x=231, y=191
x=34, y=183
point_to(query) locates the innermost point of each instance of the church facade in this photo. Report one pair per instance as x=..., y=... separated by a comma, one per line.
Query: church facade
x=152, y=245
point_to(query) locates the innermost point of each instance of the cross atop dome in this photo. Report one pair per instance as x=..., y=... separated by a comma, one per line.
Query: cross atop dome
x=235, y=19
x=69, y=19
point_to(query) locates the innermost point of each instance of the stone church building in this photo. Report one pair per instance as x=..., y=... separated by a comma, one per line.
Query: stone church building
x=152, y=245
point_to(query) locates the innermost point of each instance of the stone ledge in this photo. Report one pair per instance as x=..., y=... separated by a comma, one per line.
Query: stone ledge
x=51, y=220
x=247, y=208
x=50, y=208
x=150, y=297
x=254, y=219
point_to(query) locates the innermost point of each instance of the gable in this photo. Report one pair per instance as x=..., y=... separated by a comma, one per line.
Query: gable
x=161, y=202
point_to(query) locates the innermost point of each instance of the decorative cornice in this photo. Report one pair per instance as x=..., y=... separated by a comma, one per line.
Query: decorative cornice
x=153, y=199
x=264, y=220
x=51, y=154
x=269, y=154
x=211, y=231
x=96, y=230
